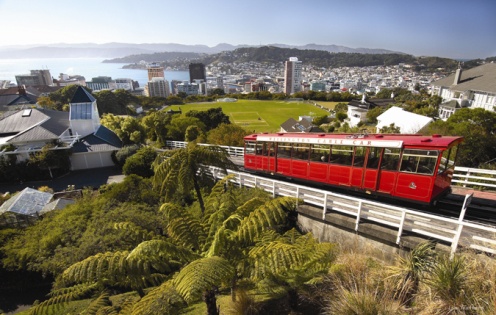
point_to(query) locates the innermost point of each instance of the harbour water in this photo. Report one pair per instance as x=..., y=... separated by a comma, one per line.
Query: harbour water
x=87, y=67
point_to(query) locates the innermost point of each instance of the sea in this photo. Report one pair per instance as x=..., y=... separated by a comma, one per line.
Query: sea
x=87, y=67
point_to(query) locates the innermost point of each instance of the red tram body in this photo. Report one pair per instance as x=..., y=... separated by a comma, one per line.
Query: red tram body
x=408, y=167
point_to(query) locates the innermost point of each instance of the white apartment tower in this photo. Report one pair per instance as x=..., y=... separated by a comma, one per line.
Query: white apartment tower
x=292, y=76
x=157, y=86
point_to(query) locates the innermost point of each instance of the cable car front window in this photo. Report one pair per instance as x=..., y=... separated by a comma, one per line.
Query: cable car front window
x=419, y=161
x=250, y=147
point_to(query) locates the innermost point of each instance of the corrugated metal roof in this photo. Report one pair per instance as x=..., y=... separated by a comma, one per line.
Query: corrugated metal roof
x=28, y=202
x=481, y=78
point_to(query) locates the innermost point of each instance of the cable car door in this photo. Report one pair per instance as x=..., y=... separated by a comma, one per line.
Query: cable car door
x=269, y=157
x=371, y=169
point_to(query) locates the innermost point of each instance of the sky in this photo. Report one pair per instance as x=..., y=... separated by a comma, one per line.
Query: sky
x=459, y=29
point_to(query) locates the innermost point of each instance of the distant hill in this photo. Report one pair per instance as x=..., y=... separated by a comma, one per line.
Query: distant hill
x=119, y=50
x=277, y=55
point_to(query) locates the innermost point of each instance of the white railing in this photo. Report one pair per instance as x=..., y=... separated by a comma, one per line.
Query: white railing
x=455, y=231
x=474, y=177
x=463, y=176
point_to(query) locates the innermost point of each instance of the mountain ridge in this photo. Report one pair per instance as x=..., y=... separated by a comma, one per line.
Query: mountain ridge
x=117, y=50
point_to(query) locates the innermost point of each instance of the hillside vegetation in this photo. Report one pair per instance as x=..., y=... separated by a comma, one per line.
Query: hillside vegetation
x=275, y=55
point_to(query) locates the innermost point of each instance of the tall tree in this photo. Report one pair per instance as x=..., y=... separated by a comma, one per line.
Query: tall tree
x=178, y=171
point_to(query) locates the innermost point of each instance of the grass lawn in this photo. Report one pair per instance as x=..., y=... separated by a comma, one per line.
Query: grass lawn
x=260, y=116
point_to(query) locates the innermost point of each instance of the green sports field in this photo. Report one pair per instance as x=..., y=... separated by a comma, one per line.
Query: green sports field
x=259, y=116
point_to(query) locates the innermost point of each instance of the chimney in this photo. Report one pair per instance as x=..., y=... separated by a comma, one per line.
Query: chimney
x=21, y=90
x=458, y=74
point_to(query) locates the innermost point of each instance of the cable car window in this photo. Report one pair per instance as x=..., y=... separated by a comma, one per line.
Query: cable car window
x=320, y=153
x=341, y=155
x=419, y=161
x=259, y=148
x=390, y=159
x=284, y=150
x=373, y=158
x=448, y=159
x=359, y=157
x=268, y=149
x=250, y=147
x=301, y=151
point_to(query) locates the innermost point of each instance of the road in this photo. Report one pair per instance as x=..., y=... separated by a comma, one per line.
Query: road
x=80, y=179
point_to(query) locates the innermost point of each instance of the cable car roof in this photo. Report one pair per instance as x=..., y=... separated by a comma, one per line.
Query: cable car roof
x=371, y=140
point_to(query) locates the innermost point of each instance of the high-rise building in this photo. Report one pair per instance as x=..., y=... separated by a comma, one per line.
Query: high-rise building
x=35, y=78
x=197, y=72
x=158, y=87
x=292, y=76
x=155, y=70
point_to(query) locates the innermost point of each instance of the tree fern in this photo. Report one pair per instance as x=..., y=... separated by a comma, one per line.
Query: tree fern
x=201, y=275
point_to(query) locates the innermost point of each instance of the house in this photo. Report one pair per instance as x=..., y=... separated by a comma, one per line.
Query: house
x=16, y=98
x=78, y=130
x=358, y=109
x=409, y=123
x=472, y=88
x=303, y=125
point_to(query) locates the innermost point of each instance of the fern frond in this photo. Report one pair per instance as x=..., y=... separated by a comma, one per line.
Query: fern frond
x=270, y=214
x=161, y=300
x=171, y=211
x=201, y=275
x=95, y=268
x=134, y=232
x=98, y=303
x=60, y=297
x=292, y=236
x=250, y=206
x=160, y=255
x=186, y=231
x=274, y=258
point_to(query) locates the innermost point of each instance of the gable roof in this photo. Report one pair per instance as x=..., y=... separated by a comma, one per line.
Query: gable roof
x=102, y=140
x=40, y=124
x=408, y=122
x=291, y=125
x=481, y=78
x=82, y=96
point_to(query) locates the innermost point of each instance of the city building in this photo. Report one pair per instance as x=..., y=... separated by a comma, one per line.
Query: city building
x=197, y=72
x=36, y=77
x=472, y=88
x=292, y=76
x=188, y=88
x=158, y=87
x=155, y=70
x=78, y=130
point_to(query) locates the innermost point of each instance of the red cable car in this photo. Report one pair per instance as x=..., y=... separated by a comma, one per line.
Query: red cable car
x=408, y=167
